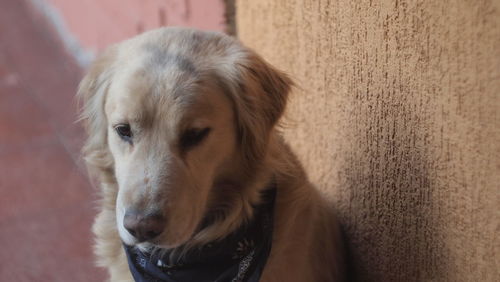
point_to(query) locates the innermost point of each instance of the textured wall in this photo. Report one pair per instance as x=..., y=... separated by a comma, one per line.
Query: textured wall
x=398, y=123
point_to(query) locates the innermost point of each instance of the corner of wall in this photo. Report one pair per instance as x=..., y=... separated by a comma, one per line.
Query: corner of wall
x=230, y=17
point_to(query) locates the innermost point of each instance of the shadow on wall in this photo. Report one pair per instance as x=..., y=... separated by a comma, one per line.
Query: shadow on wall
x=391, y=202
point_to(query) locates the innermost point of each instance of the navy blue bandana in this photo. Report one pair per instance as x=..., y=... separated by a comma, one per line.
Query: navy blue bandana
x=241, y=256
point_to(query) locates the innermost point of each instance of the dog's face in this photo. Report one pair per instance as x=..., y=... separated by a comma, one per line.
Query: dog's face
x=175, y=117
x=171, y=137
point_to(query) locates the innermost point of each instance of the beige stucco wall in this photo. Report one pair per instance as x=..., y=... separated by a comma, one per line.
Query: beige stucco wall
x=398, y=123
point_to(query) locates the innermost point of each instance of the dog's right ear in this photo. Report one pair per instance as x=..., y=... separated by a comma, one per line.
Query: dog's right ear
x=92, y=96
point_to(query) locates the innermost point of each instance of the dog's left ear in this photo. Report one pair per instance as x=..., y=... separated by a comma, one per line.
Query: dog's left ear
x=268, y=86
x=260, y=101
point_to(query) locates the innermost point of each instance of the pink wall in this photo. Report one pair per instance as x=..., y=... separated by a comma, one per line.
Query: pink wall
x=98, y=23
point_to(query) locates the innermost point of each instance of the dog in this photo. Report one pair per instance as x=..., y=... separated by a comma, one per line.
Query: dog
x=197, y=182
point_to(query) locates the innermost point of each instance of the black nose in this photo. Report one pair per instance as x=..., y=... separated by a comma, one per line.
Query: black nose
x=143, y=227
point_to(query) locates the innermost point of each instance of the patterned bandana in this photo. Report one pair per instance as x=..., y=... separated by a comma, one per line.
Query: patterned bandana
x=241, y=256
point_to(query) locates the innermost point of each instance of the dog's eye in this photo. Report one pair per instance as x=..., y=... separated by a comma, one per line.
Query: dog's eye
x=193, y=137
x=124, y=132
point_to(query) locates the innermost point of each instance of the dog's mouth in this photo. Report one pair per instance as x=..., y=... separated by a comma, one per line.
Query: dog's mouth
x=161, y=242
x=156, y=243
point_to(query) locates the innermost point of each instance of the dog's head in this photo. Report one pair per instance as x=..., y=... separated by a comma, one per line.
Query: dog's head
x=179, y=122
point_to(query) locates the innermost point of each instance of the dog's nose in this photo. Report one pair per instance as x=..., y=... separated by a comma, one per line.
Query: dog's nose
x=143, y=227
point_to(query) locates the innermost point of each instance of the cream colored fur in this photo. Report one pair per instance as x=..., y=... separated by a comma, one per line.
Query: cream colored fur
x=170, y=80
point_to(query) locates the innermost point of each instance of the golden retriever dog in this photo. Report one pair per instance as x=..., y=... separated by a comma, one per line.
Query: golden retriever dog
x=197, y=182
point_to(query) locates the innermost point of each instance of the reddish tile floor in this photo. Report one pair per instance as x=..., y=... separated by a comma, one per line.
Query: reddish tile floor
x=46, y=201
